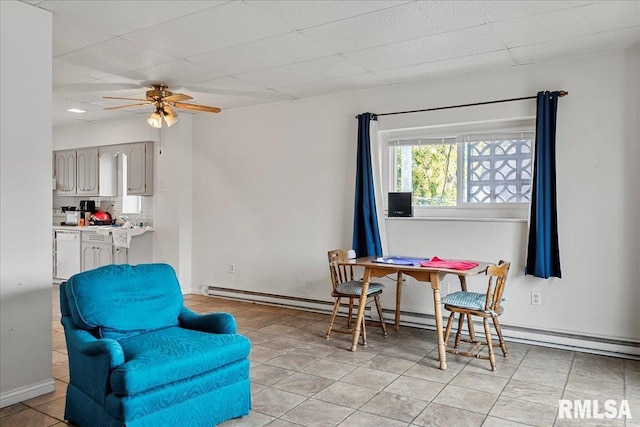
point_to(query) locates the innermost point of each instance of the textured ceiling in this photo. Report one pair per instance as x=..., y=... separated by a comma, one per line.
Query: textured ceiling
x=238, y=53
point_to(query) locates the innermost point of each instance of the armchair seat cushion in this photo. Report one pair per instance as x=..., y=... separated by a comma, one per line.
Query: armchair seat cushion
x=165, y=356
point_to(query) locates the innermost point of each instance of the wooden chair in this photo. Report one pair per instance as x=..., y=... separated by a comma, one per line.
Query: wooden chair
x=344, y=286
x=487, y=305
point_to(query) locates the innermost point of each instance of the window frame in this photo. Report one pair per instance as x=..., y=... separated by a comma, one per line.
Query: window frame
x=452, y=132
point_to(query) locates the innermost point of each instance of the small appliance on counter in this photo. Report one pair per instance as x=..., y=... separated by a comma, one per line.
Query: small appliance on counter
x=71, y=215
x=101, y=218
x=88, y=206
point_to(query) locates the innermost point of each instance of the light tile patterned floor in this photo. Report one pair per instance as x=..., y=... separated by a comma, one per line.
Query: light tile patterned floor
x=300, y=379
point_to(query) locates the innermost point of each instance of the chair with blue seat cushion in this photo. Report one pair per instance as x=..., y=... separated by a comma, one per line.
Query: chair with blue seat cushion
x=486, y=305
x=138, y=357
x=344, y=286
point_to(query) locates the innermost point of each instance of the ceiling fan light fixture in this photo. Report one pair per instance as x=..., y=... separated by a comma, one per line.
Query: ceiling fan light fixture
x=155, y=120
x=171, y=120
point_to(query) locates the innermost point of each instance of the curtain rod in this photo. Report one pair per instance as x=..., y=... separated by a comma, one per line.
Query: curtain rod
x=560, y=94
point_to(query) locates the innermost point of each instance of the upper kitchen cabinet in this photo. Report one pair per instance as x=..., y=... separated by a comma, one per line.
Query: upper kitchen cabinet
x=88, y=172
x=65, y=169
x=85, y=172
x=139, y=168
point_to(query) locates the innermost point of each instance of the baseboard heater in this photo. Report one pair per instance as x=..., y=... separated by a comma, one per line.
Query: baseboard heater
x=555, y=339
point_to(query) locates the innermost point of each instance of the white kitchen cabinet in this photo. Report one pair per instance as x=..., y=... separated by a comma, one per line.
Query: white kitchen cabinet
x=139, y=168
x=88, y=172
x=97, y=250
x=120, y=255
x=65, y=170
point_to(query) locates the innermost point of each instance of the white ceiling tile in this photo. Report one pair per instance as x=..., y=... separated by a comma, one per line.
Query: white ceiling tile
x=299, y=14
x=569, y=23
x=256, y=98
x=262, y=54
x=303, y=72
x=500, y=10
x=227, y=25
x=482, y=61
x=94, y=93
x=224, y=86
x=122, y=17
x=410, y=21
x=173, y=74
x=342, y=84
x=69, y=36
x=65, y=73
x=114, y=56
x=439, y=47
x=578, y=46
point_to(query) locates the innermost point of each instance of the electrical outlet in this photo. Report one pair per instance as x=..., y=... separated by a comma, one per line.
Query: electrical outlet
x=536, y=298
x=232, y=268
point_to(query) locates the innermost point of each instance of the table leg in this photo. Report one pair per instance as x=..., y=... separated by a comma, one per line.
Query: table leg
x=442, y=349
x=361, y=305
x=398, y=299
x=472, y=334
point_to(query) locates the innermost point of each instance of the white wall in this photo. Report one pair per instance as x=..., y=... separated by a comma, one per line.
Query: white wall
x=273, y=191
x=25, y=220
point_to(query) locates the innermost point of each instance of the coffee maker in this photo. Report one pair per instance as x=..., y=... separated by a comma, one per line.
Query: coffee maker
x=88, y=206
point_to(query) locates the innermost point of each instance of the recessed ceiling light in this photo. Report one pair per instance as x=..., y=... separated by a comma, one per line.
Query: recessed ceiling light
x=76, y=110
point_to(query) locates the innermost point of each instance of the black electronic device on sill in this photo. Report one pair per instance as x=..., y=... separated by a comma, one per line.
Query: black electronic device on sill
x=400, y=204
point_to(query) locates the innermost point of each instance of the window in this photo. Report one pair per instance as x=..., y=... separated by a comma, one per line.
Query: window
x=130, y=204
x=457, y=171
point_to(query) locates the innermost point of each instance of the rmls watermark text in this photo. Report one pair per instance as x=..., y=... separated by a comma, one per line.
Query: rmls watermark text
x=593, y=409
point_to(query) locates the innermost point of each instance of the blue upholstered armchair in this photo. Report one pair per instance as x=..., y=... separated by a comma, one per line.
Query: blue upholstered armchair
x=138, y=357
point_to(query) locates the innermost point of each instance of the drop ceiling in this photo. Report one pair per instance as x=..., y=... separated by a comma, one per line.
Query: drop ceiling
x=239, y=53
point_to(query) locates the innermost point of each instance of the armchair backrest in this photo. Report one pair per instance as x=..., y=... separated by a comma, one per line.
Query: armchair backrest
x=117, y=301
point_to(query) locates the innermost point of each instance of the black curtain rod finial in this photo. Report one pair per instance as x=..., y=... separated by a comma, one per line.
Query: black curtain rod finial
x=563, y=93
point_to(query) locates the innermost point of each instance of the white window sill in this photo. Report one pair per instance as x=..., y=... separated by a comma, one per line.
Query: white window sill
x=455, y=219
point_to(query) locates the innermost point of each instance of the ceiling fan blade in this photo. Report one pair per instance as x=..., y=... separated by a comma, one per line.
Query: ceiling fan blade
x=128, y=99
x=126, y=106
x=176, y=97
x=196, y=107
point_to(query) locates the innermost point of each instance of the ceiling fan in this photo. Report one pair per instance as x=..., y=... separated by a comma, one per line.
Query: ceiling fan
x=163, y=102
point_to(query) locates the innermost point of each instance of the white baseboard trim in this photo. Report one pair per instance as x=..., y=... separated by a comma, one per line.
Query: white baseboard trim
x=555, y=339
x=25, y=393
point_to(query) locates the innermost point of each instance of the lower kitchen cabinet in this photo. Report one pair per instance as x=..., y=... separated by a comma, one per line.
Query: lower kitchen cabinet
x=120, y=255
x=97, y=250
x=77, y=250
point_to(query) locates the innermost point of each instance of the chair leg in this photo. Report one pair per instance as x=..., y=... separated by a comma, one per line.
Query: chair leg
x=334, y=313
x=364, y=332
x=459, y=331
x=503, y=345
x=447, y=332
x=472, y=333
x=487, y=332
x=379, y=307
x=350, y=313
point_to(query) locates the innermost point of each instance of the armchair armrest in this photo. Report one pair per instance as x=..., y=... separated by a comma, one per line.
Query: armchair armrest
x=216, y=323
x=91, y=360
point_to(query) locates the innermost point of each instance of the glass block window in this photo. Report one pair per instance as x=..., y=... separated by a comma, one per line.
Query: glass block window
x=498, y=170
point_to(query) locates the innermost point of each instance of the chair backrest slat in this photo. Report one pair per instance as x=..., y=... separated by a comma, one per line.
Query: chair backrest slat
x=497, y=281
x=339, y=273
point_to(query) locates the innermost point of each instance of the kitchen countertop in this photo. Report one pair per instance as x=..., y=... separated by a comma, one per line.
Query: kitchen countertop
x=94, y=228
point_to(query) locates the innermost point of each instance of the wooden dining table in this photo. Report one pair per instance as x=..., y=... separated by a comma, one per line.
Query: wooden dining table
x=423, y=274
